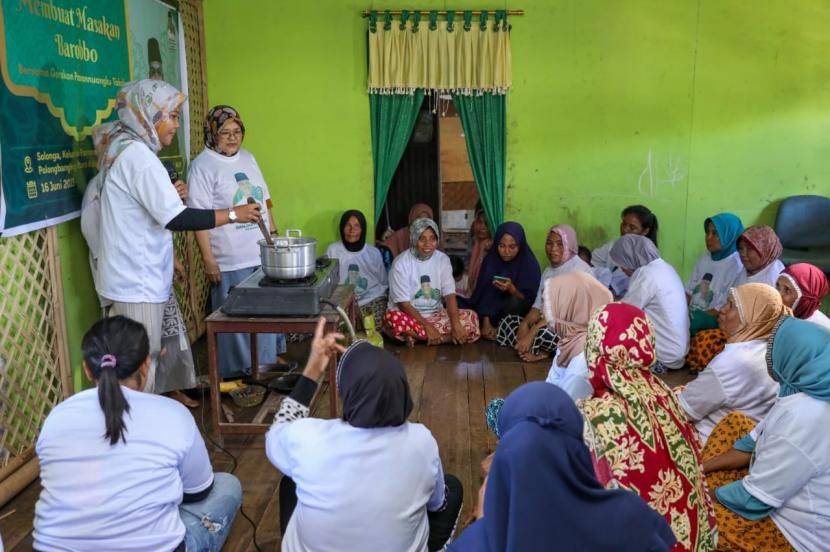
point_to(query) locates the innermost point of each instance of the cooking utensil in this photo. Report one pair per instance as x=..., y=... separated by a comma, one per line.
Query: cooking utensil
x=290, y=258
x=261, y=224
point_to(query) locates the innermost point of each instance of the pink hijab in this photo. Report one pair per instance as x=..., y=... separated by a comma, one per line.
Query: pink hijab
x=569, y=242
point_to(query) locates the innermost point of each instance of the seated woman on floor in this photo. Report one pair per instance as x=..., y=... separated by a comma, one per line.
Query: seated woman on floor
x=542, y=494
x=737, y=378
x=636, y=428
x=361, y=265
x=759, y=248
x=802, y=287
x=111, y=480
x=420, y=283
x=570, y=299
x=656, y=288
x=782, y=501
x=369, y=481
x=530, y=336
x=715, y=271
x=480, y=243
x=507, y=281
x=635, y=219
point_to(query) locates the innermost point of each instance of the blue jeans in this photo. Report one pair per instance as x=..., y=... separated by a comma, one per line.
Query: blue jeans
x=234, y=349
x=208, y=522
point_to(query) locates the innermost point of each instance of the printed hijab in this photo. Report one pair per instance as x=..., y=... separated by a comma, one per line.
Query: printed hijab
x=542, y=489
x=765, y=242
x=398, y=242
x=214, y=121
x=569, y=300
x=415, y=230
x=729, y=228
x=633, y=251
x=142, y=106
x=798, y=357
x=358, y=245
x=570, y=245
x=810, y=285
x=637, y=429
x=760, y=308
x=373, y=387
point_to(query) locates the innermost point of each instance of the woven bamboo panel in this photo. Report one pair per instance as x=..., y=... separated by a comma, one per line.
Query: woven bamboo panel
x=34, y=366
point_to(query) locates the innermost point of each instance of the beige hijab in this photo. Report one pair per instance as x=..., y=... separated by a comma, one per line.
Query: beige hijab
x=760, y=307
x=568, y=302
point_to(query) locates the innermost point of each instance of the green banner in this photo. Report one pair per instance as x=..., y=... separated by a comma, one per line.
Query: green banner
x=62, y=63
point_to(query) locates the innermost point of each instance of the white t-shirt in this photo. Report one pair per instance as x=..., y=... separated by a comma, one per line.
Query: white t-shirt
x=573, y=379
x=358, y=489
x=736, y=379
x=712, y=293
x=123, y=497
x=364, y=269
x=657, y=289
x=769, y=275
x=135, y=257
x=574, y=264
x=819, y=318
x=422, y=283
x=216, y=181
x=790, y=469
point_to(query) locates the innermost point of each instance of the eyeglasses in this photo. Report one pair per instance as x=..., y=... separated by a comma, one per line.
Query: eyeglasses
x=228, y=133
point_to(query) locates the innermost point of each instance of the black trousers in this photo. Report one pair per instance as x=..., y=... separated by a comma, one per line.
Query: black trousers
x=441, y=523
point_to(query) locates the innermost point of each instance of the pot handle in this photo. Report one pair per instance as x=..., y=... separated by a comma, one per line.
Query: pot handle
x=297, y=230
x=282, y=243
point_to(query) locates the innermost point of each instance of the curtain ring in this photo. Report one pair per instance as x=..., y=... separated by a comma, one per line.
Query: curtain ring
x=482, y=26
x=416, y=20
x=468, y=20
x=387, y=20
x=450, y=18
x=404, y=18
x=433, y=20
x=373, y=21
x=500, y=15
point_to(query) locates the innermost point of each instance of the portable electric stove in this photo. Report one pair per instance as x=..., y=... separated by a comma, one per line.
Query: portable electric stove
x=259, y=295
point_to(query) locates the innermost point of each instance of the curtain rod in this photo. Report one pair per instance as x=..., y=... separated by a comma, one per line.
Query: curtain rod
x=443, y=12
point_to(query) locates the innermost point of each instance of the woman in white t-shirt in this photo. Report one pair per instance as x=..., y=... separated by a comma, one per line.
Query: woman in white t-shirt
x=112, y=479
x=361, y=265
x=759, y=248
x=737, y=379
x=782, y=501
x=635, y=219
x=225, y=173
x=656, y=288
x=420, y=285
x=802, y=287
x=370, y=480
x=140, y=209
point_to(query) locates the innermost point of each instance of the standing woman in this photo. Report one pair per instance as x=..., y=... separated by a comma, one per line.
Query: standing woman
x=398, y=241
x=802, y=287
x=507, y=281
x=422, y=303
x=760, y=248
x=635, y=219
x=225, y=173
x=140, y=209
x=361, y=265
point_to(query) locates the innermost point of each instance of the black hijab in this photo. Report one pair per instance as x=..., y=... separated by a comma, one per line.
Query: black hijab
x=373, y=386
x=358, y=245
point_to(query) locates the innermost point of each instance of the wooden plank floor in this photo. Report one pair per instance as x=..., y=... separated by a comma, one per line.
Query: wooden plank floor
x=450, y=389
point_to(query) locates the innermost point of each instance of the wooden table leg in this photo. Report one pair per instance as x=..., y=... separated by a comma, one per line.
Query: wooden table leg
x=254, y=357
x=213, y=373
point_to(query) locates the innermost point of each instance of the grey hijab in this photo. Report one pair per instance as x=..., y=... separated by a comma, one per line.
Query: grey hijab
x=417, y=228
x=633, y=251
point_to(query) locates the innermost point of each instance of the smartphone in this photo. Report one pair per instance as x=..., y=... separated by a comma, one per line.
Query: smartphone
x=501, y=278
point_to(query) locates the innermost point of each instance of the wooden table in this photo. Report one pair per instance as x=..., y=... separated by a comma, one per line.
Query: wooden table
x=219, y=322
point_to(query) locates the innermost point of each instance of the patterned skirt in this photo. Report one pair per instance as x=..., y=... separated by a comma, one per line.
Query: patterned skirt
x=735, y=532
x=703, y=347
x=403, y=325
x=545, y=340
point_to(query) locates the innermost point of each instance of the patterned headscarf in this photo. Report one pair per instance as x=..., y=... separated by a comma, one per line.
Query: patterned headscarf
x=570, y=245
x=760, y=307
x=415, y=230
x=142, y=106
x=798, y=357
x=637, y=428
x=633, y=251
x=810, y=285
x=217, y=117
x=765, y=242
x=729, y=228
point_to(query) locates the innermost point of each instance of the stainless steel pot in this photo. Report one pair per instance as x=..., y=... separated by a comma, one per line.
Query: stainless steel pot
x=291, y=257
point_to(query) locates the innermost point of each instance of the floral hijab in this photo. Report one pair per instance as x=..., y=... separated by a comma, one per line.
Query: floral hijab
x=764, y=241
x=637, y=430
x=214, y=121
x=142, y=107
x=417, y=228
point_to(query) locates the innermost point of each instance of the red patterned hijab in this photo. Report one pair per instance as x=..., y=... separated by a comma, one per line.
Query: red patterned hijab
x=637, y=430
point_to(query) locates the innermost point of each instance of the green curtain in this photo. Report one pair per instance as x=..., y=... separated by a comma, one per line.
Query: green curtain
x=483, y=119
x=393, y=118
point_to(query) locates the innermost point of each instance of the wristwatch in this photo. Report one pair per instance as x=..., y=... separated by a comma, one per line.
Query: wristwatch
x=231, y=215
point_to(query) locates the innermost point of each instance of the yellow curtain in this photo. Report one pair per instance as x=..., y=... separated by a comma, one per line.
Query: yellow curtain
x=460, y=55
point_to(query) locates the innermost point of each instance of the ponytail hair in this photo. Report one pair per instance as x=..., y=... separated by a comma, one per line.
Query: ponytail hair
x=648, y=220
x=114, y=349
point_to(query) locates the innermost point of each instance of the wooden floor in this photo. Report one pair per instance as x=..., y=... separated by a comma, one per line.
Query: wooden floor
x=450, y=389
